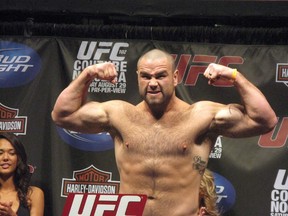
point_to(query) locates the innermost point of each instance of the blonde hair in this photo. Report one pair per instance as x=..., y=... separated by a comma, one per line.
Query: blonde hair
x=207, y=194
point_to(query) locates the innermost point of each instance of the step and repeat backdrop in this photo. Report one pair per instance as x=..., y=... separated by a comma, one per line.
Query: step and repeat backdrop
x=251, y=174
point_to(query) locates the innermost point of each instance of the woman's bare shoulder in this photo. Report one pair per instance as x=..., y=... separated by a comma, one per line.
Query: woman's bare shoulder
x=37, y=201
x=36, y=192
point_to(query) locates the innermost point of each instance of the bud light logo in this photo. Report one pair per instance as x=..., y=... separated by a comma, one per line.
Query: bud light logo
x=225, y=193
x=87, y=142
x=19, y=64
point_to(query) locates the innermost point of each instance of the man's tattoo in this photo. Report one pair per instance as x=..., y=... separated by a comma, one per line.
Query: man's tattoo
x=199, y=164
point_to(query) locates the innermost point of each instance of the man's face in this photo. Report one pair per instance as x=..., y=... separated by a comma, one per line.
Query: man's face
x=156, y=80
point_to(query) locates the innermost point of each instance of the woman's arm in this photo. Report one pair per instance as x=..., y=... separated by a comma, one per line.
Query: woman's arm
x=37, y=201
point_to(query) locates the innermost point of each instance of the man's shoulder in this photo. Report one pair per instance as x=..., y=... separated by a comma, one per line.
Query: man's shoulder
x=205, y=104
x=206, y=107
x=119, y=103
x=119, y=107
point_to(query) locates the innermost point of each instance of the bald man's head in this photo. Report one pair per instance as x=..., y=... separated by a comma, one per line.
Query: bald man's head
x=157, y=54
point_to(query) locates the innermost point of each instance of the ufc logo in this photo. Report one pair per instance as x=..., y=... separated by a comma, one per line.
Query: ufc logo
x=93, y=50
x=189, y=75
x=276, y=138
x=281, y=181
x=78, y=204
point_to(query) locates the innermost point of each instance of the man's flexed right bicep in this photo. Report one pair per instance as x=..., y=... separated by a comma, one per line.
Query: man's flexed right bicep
x=89, y=118
x=72, y=111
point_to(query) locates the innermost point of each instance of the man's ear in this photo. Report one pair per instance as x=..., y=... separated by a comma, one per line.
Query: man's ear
x=202, y=211
x=175, y=77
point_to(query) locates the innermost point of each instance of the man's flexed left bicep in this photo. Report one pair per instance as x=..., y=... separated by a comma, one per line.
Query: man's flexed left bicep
x=233, y=121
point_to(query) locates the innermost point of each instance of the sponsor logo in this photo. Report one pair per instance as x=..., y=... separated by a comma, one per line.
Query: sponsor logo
x=90, y=180
x=102, y=204
x=276, y=138
x=191, y=67
x=279, y=196
x=282, y=73
x=87, y=142
x=19, y=64
x=94, y=52
x=225, y=192
x=10, y=121
x=216, y=151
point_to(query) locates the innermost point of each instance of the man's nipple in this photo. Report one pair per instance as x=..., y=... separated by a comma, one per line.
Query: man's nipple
x=184, y=147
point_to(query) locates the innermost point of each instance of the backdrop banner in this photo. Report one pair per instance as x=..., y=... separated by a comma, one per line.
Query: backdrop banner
x=250, y=173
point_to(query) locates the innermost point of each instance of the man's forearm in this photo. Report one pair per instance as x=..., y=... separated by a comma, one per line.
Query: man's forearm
x=255, y=103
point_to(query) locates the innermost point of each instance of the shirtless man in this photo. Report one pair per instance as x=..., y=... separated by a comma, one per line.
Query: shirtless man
x=162, y=144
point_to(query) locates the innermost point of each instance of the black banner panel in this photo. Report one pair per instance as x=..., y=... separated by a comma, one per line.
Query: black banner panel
x=160, y=8
x=250, y=173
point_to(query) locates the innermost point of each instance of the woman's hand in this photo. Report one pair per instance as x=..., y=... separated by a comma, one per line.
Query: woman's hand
x=6, y=209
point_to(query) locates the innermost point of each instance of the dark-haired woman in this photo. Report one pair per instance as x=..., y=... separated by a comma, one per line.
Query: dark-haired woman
x=17, y=196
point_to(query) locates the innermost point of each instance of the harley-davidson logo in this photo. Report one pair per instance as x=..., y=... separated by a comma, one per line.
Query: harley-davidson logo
x=90, y=180
x=282, y=73
x=11, y=122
